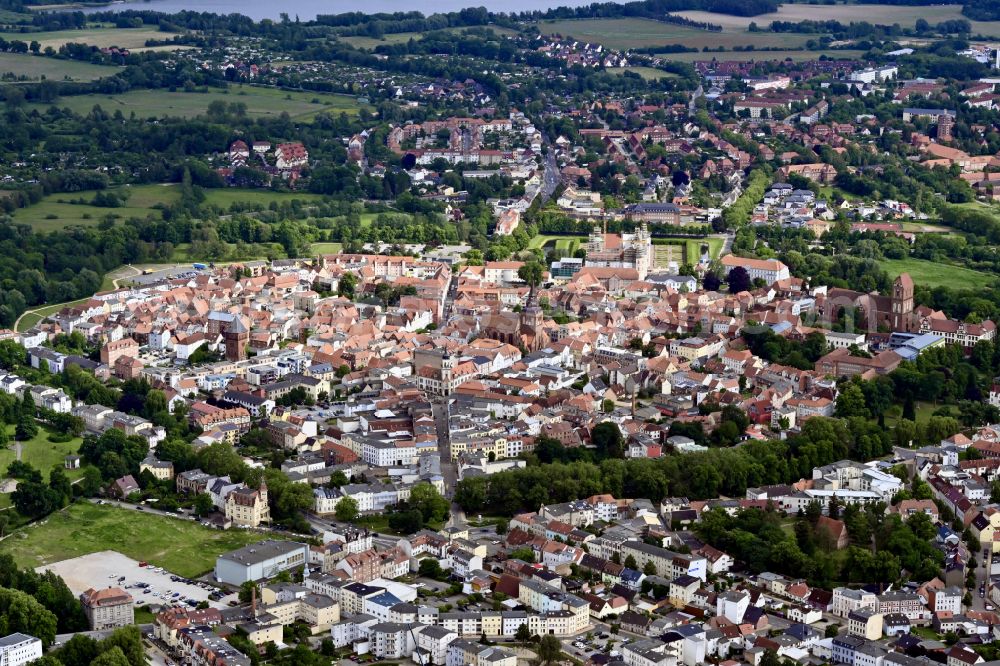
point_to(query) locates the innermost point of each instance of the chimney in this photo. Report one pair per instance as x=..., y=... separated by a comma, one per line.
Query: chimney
x=253, y=601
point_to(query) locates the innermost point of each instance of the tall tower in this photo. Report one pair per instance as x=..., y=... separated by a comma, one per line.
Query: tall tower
x=265, y=509
x=532, y=319
x=236, y=337
x=902, y=303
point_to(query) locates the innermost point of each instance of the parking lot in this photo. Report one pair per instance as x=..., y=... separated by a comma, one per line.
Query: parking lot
x=148, y=585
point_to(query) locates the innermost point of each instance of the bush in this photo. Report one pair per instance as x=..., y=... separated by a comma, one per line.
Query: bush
x=59, y=437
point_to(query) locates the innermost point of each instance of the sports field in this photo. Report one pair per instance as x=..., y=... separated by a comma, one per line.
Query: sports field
x=933, y=274
x=260, y=102
x=627, y=33
x=183, y=547
x=126, y=38
x=38, y=67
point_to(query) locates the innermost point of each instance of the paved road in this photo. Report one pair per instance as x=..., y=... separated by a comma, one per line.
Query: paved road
x=550, y=177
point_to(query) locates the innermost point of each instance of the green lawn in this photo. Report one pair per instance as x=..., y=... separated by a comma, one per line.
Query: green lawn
x=182, y=547
x=226, y=197
x=932, y=274
x=648, y=73
x=327, y=248
x=35, y=316
x=128, y=38
x=260, y=102
x=40, y=453
x=542, y=241
x=628, y=33
x=39, y=67
x=143, y=615
x=55, y=212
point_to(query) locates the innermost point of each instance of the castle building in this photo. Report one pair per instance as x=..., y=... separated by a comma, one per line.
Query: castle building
x=627, y=250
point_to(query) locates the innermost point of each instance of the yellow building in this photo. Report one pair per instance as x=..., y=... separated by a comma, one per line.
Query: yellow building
x=248, y=507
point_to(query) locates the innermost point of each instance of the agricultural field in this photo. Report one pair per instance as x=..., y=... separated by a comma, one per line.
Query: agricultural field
x=933, y=274
x=648, y=73
x=182, y=547
x=126, y=38
x=39, y=452
x=259, y=101
x=39, y=67
x=760, y=56
x=628, y=33
x=885, y=14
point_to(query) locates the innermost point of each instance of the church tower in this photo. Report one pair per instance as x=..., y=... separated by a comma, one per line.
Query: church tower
x=236, y=337
x=902, y=304
x=532, y=319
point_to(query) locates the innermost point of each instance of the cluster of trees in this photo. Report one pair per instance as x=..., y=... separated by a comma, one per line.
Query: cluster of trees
x=738, y=214
x=881, y=547
x=122, y=648
x=720, y=471
x=691, y=23
x=768, y=345
x=48, y=590
x=655, y=9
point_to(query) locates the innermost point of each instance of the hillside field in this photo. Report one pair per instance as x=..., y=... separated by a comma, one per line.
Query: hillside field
x=39, y=67
x=55, y=212
x=629, y=33
x=100, y=36
x=933, y=274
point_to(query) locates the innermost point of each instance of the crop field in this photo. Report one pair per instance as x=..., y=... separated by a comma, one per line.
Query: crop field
x=627, y=33
x=38, y=67
x=260, y=102
x=126, y=38
x=183, y=547
x=884, y=14
x=933, y=274
x=760, y=56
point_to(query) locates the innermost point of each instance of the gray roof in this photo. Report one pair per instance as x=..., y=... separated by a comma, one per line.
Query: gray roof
x=262, y=551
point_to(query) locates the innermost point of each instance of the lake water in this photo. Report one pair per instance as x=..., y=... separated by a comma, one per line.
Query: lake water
x=308, y=9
